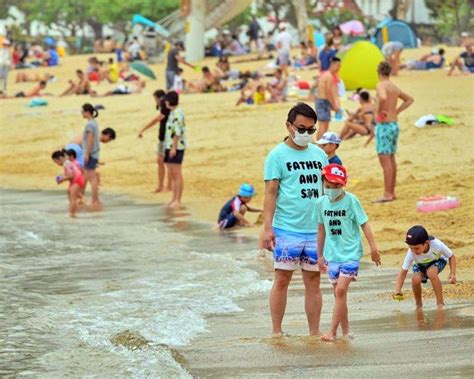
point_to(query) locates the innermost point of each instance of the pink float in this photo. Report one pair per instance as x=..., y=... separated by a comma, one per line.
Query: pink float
x=437, y=203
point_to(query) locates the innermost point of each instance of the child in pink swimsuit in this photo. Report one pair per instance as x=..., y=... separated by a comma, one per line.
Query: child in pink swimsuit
x=73, y=174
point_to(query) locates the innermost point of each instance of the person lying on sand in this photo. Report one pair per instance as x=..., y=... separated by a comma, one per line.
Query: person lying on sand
x=208, y=83
x=82, y=87
x=125, y=89
x=32, y=77
x=36, y=91
x=427, y=62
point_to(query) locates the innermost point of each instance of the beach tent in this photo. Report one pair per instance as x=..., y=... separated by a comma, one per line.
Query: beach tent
x=139, y=19
x=359, y=65
x=394, y=30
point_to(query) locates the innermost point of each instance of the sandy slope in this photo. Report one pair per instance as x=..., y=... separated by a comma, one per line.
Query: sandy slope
x=228, y=146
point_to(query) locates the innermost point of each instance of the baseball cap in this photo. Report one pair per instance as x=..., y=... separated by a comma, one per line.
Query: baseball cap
x=329, y=137
x=246, y=190
x=417, y=235
x=335, y=173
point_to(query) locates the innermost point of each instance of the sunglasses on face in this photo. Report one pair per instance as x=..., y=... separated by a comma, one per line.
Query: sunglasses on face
x=303, y=130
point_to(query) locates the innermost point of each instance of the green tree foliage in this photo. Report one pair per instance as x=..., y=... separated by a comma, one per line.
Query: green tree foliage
x=75, y=14
x=452, y=16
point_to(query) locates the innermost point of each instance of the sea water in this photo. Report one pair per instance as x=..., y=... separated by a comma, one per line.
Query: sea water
x=68, y=286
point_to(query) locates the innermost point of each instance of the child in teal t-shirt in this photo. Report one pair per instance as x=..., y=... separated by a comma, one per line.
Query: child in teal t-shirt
x=339, y=215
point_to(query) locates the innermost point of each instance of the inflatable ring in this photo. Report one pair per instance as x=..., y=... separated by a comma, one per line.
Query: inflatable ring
x=437, y=203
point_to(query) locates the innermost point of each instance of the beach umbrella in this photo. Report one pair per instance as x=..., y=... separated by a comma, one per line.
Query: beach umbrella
x=353, y=27
x=143, y=69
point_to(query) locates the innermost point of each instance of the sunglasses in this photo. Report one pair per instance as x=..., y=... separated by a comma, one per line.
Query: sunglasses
x=304, y=130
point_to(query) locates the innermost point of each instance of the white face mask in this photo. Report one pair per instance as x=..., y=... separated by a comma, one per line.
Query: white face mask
x=302, y=140
x=333, y=193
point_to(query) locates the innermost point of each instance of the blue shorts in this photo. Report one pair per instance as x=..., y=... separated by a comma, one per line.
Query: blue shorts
x=323, y=110
x=91, y=164
x=227, y=222
x=293, y=250
x=423, y=269
x=348, y=269
x=386, y=137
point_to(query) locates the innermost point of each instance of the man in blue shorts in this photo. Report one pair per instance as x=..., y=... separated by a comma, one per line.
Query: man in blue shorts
x=292, y=186
x=387, y=129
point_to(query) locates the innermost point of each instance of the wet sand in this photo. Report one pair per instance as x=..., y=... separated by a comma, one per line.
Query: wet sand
x=227, y=147
x=390, y=338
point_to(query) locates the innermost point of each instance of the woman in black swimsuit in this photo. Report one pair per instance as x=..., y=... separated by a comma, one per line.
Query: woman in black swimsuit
x=362, y=122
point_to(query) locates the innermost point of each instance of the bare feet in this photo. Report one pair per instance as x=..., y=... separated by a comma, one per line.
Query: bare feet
x=439, y=306
x=175, y=205
x=316, y=334
x=384, y=200
x=328, y=337
x=277, y=335
x=158, y=190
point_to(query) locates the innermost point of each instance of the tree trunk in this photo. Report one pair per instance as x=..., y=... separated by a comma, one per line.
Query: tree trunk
x=96, y=27
x=301, y=18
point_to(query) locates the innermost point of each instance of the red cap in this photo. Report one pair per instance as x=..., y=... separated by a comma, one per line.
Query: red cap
x=335, y=173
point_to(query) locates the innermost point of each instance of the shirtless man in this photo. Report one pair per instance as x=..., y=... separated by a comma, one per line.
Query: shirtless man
x=33, y=92
x=328, y=96
x=32, y=77
x=136, y=86
x=208, y=83
x=387, y=129
x=82, y=87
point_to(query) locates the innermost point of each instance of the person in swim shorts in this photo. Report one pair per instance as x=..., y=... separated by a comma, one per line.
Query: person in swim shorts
x=292, y=185
x=340, y=217
x=233, y=212
x=328, y=97
x=387, y=129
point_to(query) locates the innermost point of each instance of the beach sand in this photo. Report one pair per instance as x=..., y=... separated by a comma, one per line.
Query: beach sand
x=227, y=146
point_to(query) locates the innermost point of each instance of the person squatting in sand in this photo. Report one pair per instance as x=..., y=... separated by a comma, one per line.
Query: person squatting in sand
x=233, y=212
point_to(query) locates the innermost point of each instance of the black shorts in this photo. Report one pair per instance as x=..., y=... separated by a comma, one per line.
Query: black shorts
x=20, y=94
x=177, y=159
x=91, y=164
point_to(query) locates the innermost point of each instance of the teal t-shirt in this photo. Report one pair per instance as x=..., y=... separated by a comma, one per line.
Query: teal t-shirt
x=299, y=174
x=342, y=220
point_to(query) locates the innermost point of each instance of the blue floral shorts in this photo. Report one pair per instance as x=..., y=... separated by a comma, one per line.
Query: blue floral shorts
x=386, y=137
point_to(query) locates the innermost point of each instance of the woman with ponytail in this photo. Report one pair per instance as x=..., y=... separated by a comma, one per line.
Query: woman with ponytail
x=91, y=148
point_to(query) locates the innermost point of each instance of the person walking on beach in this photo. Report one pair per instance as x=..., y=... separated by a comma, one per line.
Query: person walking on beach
x=172, y=63
x=292, y=186
x=162, y=118
x=340, y=217
x=328, y=96
x=91, y=148
x=175, y=144
x=387, y=129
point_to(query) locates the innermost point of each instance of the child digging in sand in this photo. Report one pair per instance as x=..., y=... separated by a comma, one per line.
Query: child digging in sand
x=340, y=215
x=72, y=174
x=233, y=212
x=429, y=257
